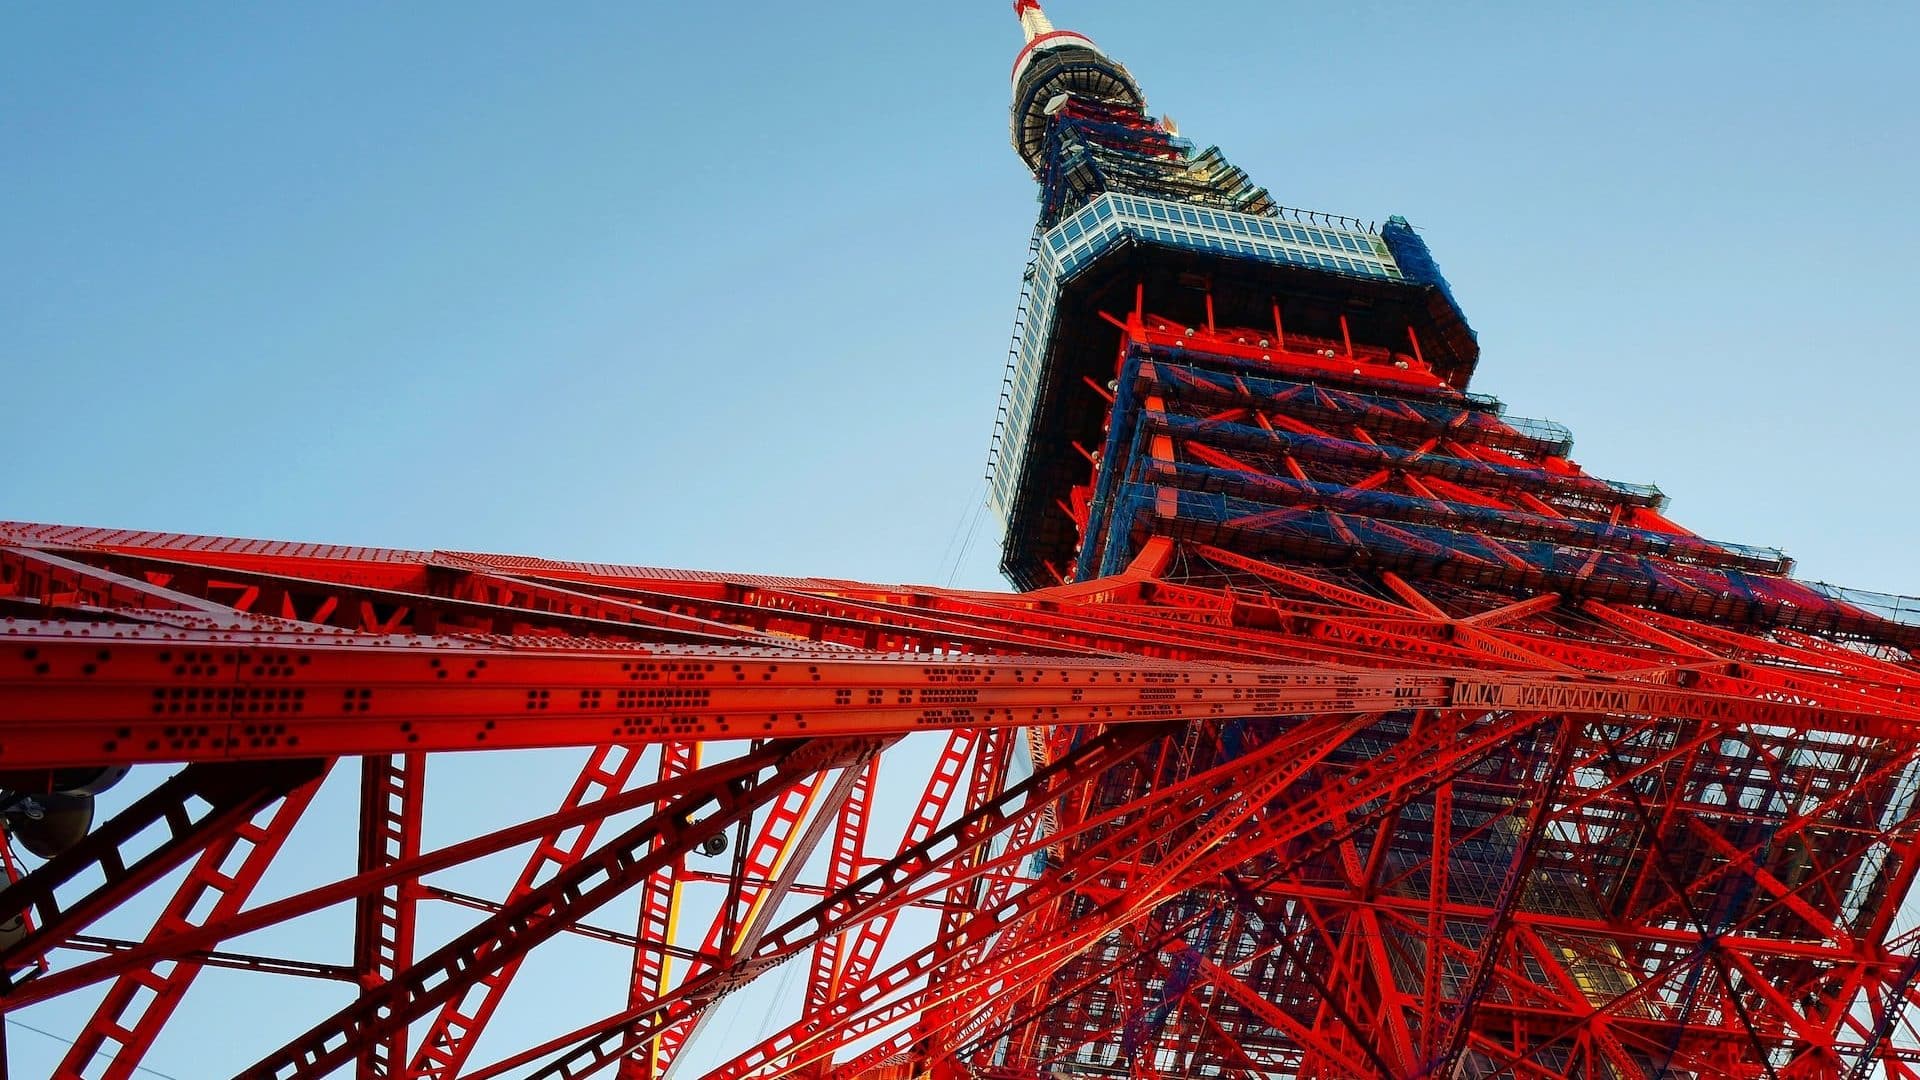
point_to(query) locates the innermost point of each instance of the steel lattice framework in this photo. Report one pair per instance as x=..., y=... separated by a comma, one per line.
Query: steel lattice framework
x=1346, y=728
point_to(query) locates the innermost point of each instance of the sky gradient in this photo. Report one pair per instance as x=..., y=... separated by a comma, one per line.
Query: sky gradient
x=731, y=286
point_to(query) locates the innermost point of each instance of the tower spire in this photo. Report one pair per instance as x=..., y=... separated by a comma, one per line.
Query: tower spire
x=1033, y=21
x=1056, y=62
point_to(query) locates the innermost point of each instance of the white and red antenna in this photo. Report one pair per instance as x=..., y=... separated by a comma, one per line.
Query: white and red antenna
x=1042, y=35
x=1032, y=20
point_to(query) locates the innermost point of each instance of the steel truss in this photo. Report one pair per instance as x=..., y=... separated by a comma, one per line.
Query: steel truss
x=1363, y=734
x=1282, y=822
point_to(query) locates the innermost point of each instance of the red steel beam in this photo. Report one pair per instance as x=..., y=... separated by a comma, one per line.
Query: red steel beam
x=570, y=894
x=189, y=943
x=392, y=800
x=200, y=806
x=138, y=1004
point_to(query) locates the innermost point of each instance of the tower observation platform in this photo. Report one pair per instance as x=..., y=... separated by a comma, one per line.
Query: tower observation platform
x=1340, y=725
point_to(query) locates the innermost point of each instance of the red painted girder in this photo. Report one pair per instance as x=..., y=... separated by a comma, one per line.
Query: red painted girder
x=1435, y=927
x=1644, y=1028
x=569, y=894
x=888, y=998
x=897, y=882
x=942, y=785
x=715, y=609
x=266, y=696
x=1301, y=750
x=994, y=624
x=990, y=763
x=457, y=1025
x=1126, y=1006
x=392, y=800
x=460, y=600
x=383, y=567
x=1413, y=911
x=1599, y=1029
x=1002, y=1015
x=56, y=581
x=1373, y=781
x=138, y=1004
x=1280, y=1020
x=1399, y=638
x=693, y=605
x=849, y=850
x=918, y=622
x=280, y=696
x=223, y=958
x=778, y=847
x=1197, y=840
x=977, y=607
x=1359, y=995
x=1519, y=875
x=537, y=597
x=659, y=897
x=191, y=942
x=227, y=797
x=1227, y=1046
x=475, y=903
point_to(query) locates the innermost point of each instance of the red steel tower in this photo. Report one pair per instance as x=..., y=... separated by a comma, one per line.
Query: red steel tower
x=1343, y=727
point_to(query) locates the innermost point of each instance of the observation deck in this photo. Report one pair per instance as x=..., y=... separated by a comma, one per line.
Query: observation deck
x=1200, y=266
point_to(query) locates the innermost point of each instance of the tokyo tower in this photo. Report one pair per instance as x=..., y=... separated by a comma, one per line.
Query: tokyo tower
x=1341, y=726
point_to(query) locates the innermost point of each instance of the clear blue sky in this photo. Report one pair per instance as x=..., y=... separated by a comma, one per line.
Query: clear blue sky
x=729, y=285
